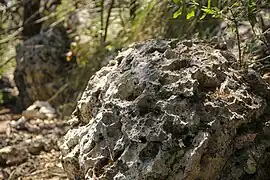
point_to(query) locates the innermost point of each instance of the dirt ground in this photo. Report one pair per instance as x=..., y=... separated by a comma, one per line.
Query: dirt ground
x=28, y=147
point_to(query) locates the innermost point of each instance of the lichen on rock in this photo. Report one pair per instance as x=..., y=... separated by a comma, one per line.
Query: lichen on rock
x=165, y=109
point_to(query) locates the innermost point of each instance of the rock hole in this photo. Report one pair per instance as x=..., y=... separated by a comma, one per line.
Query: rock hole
x=145, y=105
x=187, y=140
x=133, y=114
x=157, y=111
x=176, y=130
x=242, y=129
x=100, y=137
x=173, y=43
x=78, y=178
x=132, y=97
x=117, y=155
x=100, y=164
x=149, y=152
x=162, y=79
x=158, y=49
x=143, y=139
x=97, y=93
x=119, y=59
x=143, y=110
x=239, y=153
x=267, y=149
x=177, y=64
x=221, y=123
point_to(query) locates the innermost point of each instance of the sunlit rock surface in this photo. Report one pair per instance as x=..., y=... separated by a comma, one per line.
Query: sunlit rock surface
x=170, y=110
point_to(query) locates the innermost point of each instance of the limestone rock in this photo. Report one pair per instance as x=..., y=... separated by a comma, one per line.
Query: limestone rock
x=167, y=110
x=40, y=109
x=42, y=68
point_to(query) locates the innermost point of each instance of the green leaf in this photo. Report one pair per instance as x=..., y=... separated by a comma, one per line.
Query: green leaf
x=176, y=1
x=190, y=14
x=195, y=3
x=236, y=4
x=217, y=16
x=252, y=3
x=109, y=47
x=208, y=11
x=218, y=13
x=99, y=3
x=177, y=13
x=203, y=16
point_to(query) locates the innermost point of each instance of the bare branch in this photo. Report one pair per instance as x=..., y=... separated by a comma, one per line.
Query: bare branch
x=108, y=21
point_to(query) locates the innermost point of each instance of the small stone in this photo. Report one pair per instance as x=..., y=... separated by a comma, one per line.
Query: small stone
x=11, y=156
x=188, y=43
x=35, y=147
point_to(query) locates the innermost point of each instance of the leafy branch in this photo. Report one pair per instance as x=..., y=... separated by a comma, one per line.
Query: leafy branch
x=232, y=11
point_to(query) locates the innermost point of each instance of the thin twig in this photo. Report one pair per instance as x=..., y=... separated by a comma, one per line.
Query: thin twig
x=108, y=22
x=20, y=28
x=13, y=35
x=58, y=92
x=237, y=36
x=263, y=59
x=101, y=22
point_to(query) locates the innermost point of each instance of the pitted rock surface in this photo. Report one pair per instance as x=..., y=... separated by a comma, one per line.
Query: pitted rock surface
x=165, y=109
x=42, y=68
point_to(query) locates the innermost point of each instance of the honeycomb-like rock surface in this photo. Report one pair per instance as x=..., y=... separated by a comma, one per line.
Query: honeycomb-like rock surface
x=168, y=110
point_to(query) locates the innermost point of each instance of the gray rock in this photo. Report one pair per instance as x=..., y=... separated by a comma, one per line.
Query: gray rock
x=165, y=110
x=42, y=69
x=10, y=156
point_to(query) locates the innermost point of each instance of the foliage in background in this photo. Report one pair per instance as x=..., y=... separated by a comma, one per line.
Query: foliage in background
x=193, y=12
x=99, y=28
x=96, y=28
x=110, y=25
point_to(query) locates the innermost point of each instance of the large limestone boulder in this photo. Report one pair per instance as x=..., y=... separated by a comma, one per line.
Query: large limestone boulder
x=170, y=110
x=42, y=69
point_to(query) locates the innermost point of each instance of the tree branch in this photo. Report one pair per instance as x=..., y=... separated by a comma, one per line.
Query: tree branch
x=108, y=21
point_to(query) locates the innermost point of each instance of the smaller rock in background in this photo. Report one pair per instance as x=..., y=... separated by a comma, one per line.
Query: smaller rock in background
x=8, y=88
x=41, y=110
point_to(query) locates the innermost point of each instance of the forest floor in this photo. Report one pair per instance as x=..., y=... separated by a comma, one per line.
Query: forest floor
x=29, y=148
